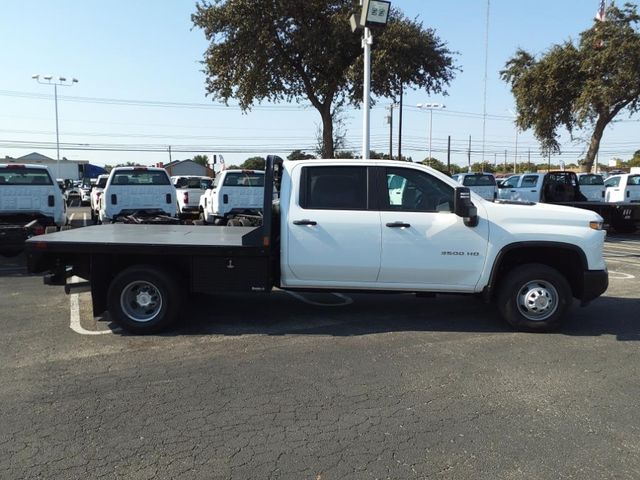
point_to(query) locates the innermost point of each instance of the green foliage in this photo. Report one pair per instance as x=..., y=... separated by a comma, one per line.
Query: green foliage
x=300, y=155
x=254, y=163
x=290, y=51
x=201, y=160
x=579, y=86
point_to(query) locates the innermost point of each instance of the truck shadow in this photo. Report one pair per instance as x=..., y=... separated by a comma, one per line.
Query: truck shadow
x=283, y=314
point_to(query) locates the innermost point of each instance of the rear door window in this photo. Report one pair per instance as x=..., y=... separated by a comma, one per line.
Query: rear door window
x=140, y=178
x=244, y=179
x=479, y=181
x=633, y=180
x=591, y=180
x=24, y=176
x=529, y=181
x=334, y=188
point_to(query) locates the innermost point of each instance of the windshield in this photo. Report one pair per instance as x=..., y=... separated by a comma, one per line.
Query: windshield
x=140, y=178
x=591, y=180
x=244, y=179
x=24, y=176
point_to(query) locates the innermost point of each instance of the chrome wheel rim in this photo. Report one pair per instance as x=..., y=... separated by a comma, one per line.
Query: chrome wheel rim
x=537, y=300
x=141, y=301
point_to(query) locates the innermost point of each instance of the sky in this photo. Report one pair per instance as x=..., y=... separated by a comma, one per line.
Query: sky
x=140, y=86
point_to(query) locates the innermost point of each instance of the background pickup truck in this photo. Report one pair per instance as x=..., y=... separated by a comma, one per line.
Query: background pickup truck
x=189, y=189
x=233, y=193
x=623, y=188
x=563, y=188
x=30, y=202
x=138, y=194
x=337, y=228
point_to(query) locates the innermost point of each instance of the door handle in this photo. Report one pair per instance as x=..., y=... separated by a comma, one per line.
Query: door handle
x=513, y=191
x=398, y=225
x=304, y=222
x=533, y=191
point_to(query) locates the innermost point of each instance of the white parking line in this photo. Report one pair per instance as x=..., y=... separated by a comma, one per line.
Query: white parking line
x=620, y=275
x=84, y=219
x=71, y=217
x=74, y=320
x=346, y=300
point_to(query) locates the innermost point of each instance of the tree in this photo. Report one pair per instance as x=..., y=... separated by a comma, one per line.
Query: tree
x=295, y=51
x=300, y=155
x=254, y=163
x=201, y=160
x=579, y=86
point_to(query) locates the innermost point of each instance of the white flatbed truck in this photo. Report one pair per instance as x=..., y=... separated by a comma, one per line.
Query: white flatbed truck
x=337, y=227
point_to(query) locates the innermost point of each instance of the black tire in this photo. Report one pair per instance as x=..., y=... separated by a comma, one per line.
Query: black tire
x=221, y=221
x=50, y=229
x=202, y=217
x=534, y=298
x=154, y=287
x=94, y=218
x=234, y=222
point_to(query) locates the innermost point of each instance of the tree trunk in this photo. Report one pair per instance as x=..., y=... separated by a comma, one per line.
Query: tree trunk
x=327, y=132
x=594, y=144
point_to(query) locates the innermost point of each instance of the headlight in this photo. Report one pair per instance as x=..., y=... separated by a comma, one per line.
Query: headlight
x=596, y=225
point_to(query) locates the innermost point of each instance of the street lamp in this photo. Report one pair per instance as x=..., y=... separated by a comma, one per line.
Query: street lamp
x=431, y=107
x=63, y=82
x=374, y=14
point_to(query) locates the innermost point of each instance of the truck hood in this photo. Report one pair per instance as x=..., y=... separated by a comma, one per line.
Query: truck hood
x=514, y=213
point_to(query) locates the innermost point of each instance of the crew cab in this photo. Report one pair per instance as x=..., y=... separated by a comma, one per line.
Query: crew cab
x=623, y=188
x=189, y=189
x=140, y=191
x=30, y=202
x=484, y=184
x=563, y=188
x=339, y=226
x=94, y=196
x=233, y=192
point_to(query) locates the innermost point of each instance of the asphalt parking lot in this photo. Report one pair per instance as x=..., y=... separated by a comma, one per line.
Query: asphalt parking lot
x=320, y=387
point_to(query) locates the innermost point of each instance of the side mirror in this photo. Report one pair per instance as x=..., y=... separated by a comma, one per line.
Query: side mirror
x=463, y=207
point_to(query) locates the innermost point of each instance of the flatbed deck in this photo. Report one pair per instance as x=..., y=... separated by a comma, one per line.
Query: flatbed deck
x=160, y=239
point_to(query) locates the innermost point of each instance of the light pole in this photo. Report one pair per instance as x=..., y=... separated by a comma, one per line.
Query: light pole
x=63, y=82
x=375, y=13
x=430, y=107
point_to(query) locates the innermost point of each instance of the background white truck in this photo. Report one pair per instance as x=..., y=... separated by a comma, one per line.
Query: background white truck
x=30, y=202
x=138, y=194
x=189, y=189
x=563, y=188
x=234, y=192
x=623, y=188
x=335, y=228
x=484, y=184
x=95, y=194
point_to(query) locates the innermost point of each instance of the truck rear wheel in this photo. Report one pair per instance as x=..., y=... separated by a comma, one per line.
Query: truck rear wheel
x=534, y=298
x=143, y=299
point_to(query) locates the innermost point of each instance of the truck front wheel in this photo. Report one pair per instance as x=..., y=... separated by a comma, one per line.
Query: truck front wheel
x=534, y=298
x=143, y=299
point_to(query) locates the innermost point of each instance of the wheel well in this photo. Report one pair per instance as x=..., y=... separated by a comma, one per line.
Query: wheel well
x=104, y=268
x=566, y=260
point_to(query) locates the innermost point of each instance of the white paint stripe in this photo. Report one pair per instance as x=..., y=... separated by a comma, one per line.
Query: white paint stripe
x=71, y=217
x=620, y=275
x=84, y=219
x=346, y=300
x=74, y=323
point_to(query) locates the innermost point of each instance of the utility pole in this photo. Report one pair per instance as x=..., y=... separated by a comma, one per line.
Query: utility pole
x=505, y=160
x=469, y=156
x=390, y=122
x=169, y=153
x=449, y=155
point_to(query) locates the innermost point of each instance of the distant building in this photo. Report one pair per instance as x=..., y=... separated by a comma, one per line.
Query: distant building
x=186, y=167
x=69, y=169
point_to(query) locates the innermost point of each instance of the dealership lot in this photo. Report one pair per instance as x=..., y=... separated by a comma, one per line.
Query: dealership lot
x=320, y=386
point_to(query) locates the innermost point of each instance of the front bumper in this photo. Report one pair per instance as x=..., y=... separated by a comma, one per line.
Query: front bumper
x=594, y=284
